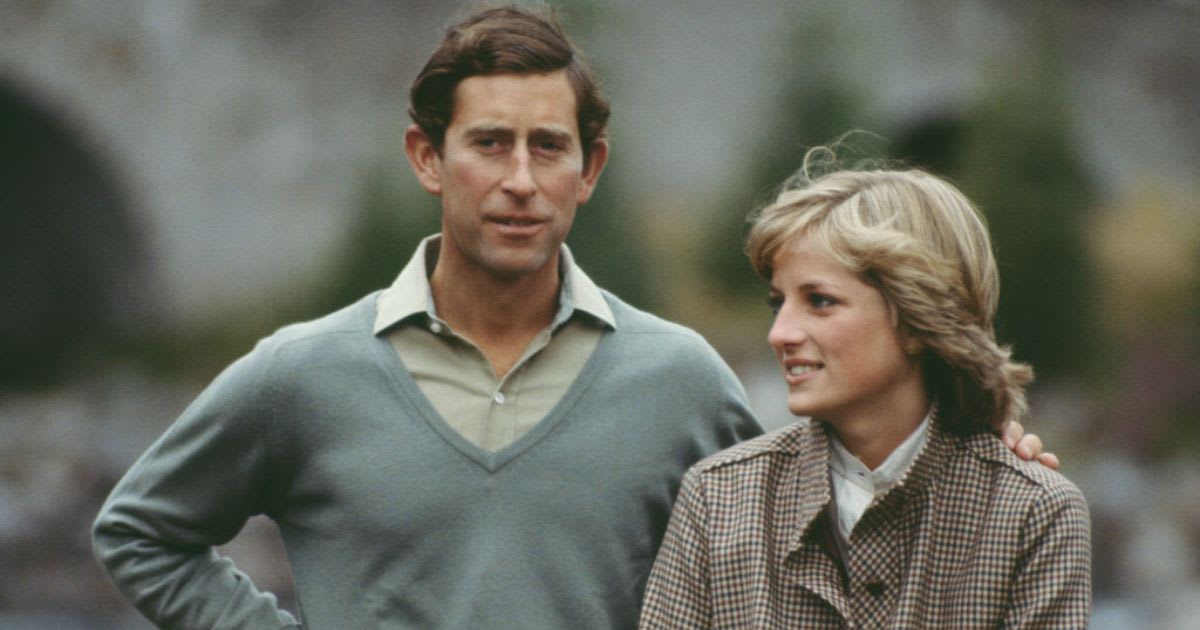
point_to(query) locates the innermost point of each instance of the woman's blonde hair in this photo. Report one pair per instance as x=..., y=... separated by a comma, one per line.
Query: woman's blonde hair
x=926, y=248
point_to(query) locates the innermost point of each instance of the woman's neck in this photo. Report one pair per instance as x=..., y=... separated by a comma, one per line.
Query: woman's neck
x=872, y=437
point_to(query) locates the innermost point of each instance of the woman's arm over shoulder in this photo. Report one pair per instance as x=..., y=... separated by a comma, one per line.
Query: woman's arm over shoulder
x=677, y=594
x=1053, y=586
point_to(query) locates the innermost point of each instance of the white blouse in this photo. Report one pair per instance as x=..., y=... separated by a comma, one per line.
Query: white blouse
x=855, y=486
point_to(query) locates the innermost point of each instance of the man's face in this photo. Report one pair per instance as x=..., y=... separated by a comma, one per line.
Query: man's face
x=510, y=173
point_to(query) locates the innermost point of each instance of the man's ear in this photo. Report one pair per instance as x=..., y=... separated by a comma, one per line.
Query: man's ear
x=424, y=158
x=596, y=160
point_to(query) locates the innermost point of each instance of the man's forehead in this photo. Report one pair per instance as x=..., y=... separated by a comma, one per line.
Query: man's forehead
x=499, y=127
x=503, y=98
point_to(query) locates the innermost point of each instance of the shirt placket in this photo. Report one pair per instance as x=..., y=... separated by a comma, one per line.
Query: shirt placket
x=504, y=421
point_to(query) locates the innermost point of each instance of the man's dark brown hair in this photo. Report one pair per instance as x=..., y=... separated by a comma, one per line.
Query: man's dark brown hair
x=500, y=41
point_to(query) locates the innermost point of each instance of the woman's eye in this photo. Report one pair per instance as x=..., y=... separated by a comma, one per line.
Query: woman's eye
x=820, y=300
x=775, y=303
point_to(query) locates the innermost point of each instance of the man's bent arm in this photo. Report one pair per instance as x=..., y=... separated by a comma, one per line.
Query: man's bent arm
x=194, y=489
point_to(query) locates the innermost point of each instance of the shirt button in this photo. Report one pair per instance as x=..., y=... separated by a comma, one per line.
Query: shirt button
x=499, y=398
x=436, y=328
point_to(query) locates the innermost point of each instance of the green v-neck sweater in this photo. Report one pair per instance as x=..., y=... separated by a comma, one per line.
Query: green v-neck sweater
x=390, y=518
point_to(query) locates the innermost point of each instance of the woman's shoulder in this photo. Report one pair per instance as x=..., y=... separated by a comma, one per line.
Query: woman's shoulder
x=794, y=440
x=1017, y=476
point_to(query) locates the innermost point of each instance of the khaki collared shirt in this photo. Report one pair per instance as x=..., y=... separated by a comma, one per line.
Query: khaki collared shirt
x=453, y=372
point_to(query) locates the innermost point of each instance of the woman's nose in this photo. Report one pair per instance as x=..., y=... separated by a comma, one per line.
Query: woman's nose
x=787, y=330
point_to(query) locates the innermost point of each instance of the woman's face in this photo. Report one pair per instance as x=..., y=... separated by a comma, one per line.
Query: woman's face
x=842, y=358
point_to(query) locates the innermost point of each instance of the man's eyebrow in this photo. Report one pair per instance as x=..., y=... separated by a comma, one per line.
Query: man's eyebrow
x=488, y=130
x=553, y=133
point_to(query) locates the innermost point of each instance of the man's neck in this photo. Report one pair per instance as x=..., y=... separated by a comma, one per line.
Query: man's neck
x=500, y=315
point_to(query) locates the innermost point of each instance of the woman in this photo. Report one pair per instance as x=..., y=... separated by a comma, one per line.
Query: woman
x=892, y=502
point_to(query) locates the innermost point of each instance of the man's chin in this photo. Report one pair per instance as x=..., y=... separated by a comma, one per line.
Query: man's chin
x=513, y=268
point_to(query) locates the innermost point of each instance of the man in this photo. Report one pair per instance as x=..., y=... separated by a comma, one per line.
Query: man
x=492, y=442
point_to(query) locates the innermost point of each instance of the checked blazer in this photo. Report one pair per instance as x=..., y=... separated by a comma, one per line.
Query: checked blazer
x=972, y=537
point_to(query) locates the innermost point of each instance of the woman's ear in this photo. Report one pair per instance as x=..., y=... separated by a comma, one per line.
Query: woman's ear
x=909, y=341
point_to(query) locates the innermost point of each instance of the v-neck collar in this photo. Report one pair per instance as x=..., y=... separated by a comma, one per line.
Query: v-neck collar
x=418, y=405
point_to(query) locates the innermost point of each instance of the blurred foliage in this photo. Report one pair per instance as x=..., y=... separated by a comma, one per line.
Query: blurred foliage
x=816, y=106
x=392, y=215
x=1015, y=161
x=604, y=244
x=1147, y=253
x=1018, y=163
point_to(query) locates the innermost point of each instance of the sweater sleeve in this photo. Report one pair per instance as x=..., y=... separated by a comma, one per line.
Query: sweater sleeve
x=677, y=594
x=193, y=489
x=735, y=420
x=1053, y=586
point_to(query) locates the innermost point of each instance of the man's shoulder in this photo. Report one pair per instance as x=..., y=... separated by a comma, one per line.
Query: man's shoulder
x=633, y=321
x=650, y=341
x=352, y=320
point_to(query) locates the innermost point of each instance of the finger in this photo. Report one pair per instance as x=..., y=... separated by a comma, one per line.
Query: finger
x=1012, y=433
x=1029, y=447
x=1049, y=460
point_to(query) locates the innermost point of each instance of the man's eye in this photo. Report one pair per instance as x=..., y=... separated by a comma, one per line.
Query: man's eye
x=485, y=143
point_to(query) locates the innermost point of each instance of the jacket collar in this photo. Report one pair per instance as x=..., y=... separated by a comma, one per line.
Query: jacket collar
x=808, y=479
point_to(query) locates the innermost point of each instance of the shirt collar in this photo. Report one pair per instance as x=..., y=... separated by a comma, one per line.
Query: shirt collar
x=411, y=295
x=891, y=471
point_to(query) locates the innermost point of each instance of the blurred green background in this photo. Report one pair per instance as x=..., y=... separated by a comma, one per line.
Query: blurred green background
x=179, y=178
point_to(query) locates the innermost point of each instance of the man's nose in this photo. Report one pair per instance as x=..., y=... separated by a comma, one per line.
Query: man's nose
x=519, y=179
